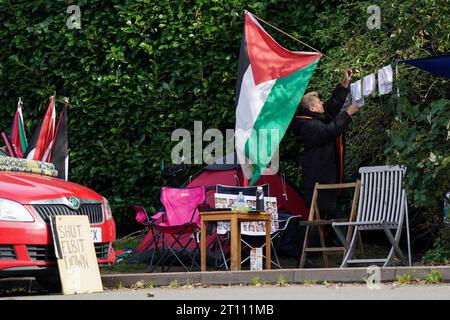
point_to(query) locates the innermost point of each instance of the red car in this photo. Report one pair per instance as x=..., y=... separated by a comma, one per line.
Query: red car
x=26, y=203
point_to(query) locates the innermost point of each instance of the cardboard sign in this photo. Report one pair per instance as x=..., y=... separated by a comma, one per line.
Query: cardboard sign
x=77, y=261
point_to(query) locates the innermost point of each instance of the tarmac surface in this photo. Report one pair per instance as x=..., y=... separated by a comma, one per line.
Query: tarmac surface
x=290, y=292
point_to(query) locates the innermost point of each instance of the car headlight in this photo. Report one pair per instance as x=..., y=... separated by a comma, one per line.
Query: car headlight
x=108, y=212
x=14, y=211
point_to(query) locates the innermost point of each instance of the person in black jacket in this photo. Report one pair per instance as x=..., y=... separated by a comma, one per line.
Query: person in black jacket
x=321, y=128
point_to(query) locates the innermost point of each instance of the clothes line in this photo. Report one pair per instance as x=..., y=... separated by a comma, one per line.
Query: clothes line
x=366, y=86
x=386, y=75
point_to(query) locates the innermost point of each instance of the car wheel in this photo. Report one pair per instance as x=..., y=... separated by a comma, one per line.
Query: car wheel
x=51, y=283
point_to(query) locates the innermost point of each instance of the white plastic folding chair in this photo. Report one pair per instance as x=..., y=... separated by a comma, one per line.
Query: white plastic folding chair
x=382, y=206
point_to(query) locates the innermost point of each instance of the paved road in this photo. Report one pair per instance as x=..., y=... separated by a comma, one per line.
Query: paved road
x=292, y=292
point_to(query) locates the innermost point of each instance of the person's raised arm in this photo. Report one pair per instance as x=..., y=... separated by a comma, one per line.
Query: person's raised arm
x=347, y=76
x=335, y=102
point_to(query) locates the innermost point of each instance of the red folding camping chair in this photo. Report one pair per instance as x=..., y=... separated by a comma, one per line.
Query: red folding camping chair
x=180, y=218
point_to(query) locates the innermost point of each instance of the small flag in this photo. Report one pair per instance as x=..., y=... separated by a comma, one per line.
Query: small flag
x=18, y=135
x=9, y=145
x=42, y=140
x=60, y=153
x=271, y=82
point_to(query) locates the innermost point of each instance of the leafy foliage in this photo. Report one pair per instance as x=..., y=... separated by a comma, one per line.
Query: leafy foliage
x=138, y=69
x=420, y=141
x=134, y=72
x=406, y=278
x=440, y=253
x=433, y=277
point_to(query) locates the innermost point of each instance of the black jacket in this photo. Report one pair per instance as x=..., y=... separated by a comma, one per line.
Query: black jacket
x=322, y=137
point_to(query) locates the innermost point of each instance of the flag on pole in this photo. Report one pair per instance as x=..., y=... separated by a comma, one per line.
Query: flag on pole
x=270, y=84
x=18, y=135
x=42, y=140
x=9, y=145
x=60, y=153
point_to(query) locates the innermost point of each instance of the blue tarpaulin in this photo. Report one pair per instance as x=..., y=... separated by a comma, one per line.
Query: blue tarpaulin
x=439, y=66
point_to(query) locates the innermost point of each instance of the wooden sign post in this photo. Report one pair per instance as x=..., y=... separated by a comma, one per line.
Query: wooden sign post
x=77, y=261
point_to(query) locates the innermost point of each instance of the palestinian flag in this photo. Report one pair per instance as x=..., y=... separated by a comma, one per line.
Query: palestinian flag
x=42, y=141
x=18, y=136
x=271, y=82
x=60, y=153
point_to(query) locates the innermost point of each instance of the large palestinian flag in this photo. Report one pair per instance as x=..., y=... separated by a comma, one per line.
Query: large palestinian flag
x=271, y=82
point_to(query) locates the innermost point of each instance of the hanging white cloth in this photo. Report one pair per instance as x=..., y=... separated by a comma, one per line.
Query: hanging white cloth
x=356, y=92
x=385, y=79
x=369, y=83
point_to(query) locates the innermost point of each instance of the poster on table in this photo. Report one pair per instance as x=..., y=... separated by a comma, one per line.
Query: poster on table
x=226, y=201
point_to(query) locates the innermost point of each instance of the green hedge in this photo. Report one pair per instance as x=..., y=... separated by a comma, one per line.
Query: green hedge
x=137, y=70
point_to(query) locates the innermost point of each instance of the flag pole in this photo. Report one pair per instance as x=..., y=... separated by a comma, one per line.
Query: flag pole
x=293, y=38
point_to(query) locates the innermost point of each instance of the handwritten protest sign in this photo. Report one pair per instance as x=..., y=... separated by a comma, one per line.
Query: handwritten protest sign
x=77, y=262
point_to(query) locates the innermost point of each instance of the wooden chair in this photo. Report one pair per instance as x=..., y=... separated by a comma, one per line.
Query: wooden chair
x=314, y=219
